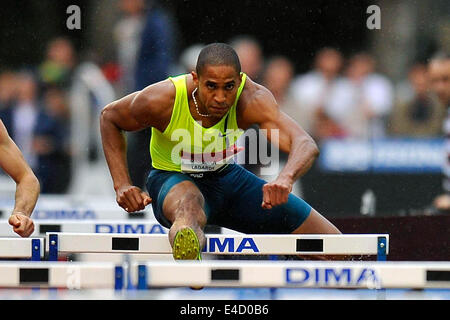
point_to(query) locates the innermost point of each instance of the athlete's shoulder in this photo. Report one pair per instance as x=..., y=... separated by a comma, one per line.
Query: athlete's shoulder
x=254, y=94
x=157, y=96
x=256, y=101
x=153, y=105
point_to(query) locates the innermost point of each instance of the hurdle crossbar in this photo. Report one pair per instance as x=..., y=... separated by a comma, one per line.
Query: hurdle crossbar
x=88, y=226
x=223, y=244
x=79, y=207
x=22, y=248
x=73, y=275
x=291, y=274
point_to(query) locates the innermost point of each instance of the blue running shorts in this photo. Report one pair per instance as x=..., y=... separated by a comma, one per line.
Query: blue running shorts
x=233, y=199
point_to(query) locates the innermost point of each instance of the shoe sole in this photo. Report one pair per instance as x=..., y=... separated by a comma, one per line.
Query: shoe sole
x=186, y=245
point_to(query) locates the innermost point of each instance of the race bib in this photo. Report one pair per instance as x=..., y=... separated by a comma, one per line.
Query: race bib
x=207, y=162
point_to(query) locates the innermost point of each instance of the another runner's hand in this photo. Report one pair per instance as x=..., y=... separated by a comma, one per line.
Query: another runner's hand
x=275, y=193
x=132, y=198
x=22, y=224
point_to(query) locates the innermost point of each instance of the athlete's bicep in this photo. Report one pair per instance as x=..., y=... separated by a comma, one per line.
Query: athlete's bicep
x=118, y=113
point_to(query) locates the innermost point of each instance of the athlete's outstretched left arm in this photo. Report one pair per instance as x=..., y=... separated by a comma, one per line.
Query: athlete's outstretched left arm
x=27, y=185
x=291, y=138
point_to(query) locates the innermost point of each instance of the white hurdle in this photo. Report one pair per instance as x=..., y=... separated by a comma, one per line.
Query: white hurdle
x=22, y=248
x=228, y=244
x=73, y=275
x=292, y=274
x=71, y=207
x=146, y=226
x=231, y=274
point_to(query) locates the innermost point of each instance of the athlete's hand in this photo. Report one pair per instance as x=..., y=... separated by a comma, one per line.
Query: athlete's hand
x=22, y=224
x=276, y=193
x=132, y=198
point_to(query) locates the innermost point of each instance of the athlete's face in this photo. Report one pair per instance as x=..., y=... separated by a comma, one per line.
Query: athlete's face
x=217, y=88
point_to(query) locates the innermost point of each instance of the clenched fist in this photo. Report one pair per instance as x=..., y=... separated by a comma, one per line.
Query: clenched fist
x=276, y=193
x=22, y=224
x=132, y=198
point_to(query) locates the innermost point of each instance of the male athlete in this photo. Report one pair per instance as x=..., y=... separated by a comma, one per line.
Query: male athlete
x=27, y=185
x=195, y=120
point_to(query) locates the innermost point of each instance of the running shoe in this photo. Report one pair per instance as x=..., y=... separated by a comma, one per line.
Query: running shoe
x=186, y=245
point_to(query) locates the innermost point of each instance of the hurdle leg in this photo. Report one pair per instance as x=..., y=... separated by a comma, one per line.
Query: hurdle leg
x=118, y=278
x=35, y=250
x=53, y=248
x=273, y=290
x=142, y=277
x=381, y=256
x=381, y=249
x=35, y=256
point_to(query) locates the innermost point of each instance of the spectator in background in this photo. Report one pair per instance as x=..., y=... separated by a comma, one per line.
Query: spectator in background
x=277, y=77
x=439, y=70
x=85, y=89
x=8, y=92
x=89, y=90
x=188, y=58
x=22, y=116
x=127, y=35
x=312, y=93
x=57, y=68
x=419, y=113
x=7, y=89
x=250, y=55
x=361, y=102
x=156, y=49
x=146, y=51
x=51, y=142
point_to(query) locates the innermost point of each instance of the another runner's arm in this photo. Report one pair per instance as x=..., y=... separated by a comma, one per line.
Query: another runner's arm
x=14, y=164
x=27, y=185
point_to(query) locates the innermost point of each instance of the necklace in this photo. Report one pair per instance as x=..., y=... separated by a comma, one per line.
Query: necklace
x=196, y=105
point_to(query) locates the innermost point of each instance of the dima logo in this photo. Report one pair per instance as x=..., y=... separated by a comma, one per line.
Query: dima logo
x=129, y=228
x=228, y=245
x=64, y=214
x=332, y=276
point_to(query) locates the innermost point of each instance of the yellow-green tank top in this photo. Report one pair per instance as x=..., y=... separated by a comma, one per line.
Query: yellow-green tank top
x=183, y=133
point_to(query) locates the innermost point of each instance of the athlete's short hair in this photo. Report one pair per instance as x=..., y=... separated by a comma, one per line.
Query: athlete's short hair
x=217, y=54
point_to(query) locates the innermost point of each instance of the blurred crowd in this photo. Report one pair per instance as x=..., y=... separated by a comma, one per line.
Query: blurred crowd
x=345, y=97
x=34, y=109
x=51, y=110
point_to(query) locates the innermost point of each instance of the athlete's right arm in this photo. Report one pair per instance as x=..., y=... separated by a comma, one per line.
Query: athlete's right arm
x=136, y=111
